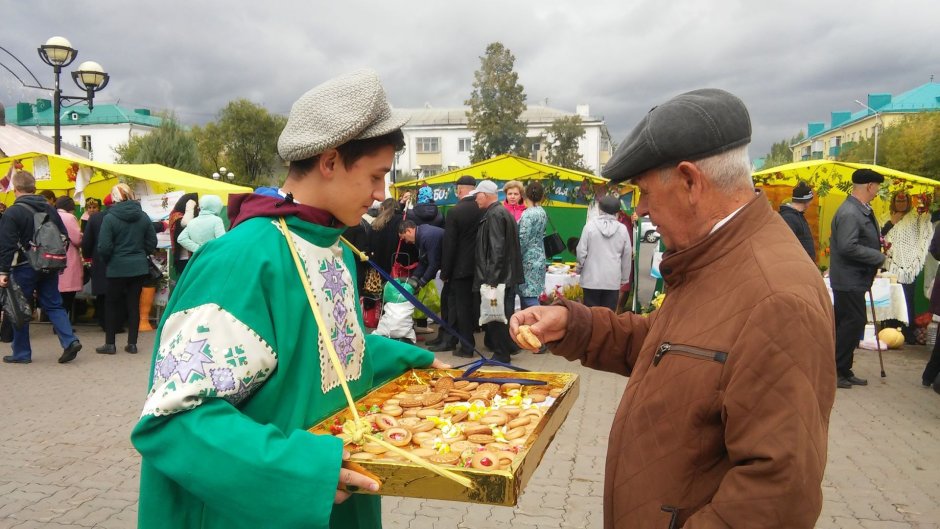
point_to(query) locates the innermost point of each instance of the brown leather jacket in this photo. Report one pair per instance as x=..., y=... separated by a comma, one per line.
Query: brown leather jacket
x=724, y=421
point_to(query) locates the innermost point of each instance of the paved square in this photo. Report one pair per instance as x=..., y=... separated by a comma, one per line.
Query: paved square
x=66, y=460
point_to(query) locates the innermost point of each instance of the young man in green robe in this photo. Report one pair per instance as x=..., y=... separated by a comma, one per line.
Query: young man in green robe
x=240, y=369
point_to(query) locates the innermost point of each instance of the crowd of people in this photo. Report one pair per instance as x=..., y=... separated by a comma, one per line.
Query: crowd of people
x=106, y=250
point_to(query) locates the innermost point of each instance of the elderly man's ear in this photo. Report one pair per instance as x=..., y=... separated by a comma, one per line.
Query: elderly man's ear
x=692, y=180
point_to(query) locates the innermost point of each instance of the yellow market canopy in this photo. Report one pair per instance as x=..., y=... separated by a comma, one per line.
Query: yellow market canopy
x=825, y=176
x=563, y=187
x=86, y=178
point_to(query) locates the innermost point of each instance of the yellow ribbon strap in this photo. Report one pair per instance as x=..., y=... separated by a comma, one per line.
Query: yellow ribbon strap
x=360, y=429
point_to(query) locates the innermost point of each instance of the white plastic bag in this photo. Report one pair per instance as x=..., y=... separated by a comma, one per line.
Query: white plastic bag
x=396, y=321
x=492, y=303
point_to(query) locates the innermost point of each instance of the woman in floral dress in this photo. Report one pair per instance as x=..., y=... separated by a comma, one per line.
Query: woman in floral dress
x=531, y=237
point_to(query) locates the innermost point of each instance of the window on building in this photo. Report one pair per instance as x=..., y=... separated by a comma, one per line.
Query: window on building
x=86, y=143
x=464, y=144
x=836, y=142
x=427, y=145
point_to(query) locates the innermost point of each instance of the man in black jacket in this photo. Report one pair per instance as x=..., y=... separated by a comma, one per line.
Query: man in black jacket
x=792, y=214
x=499, y=261
x=16, y=232
x=457, y=267
x=855, y=246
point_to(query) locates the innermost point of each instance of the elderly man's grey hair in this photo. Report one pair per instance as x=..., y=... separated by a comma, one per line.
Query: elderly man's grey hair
x=730, y=171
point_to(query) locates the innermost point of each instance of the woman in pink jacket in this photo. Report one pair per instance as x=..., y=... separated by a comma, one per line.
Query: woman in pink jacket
x=70, y=281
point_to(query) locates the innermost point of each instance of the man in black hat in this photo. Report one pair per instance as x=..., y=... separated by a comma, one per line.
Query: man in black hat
x=855, y=257
x=457, y=268
x=792, y=214
x=724, y=421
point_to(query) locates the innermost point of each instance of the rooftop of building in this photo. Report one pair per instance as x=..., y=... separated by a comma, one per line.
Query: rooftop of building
x=533, y=114
x=924, y=98
x=40, y=113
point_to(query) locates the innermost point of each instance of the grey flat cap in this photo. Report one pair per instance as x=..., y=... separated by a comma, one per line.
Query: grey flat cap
x=346, y=108
x=690, y=126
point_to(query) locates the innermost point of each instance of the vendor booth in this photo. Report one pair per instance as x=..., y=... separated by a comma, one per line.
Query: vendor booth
x=81, y=179
x=568, y=193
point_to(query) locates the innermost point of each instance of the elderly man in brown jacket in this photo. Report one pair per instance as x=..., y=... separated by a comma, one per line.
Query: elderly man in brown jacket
x=724, y=421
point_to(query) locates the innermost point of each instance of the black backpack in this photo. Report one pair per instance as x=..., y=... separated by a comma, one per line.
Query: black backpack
x=48, y=246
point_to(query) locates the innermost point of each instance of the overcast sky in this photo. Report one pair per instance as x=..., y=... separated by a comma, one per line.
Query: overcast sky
x=792, y=62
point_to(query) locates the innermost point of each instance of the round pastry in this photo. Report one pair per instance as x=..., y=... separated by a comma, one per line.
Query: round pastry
x=509, y=385
x=555, y=392
x=374, y=448
x=424, y=413
x=497, y=447
x=480, y=438
x=458, y=393
x=531, y=412
x=460, y=416
x=488, y=386
x=391, y=402
x=461, y=384
x=430, y=399
x=444, y=384
x=424, y=452
x=362, y=456
x=409, y=422
x=411, y=402
x=485, y=460
x=470, y=386
x=448, y=458
x=537, y=397
x=515, y=433
x=495, y=417
x=410, y=412
x=505, y=456
x=511, y=410
x=471, y=429
x=519, y=421
x=452, y=398
x=463, y=446
x=423, y=426
x=392, y=409
x=384, y=422
x=398, y=436
x=416, y=389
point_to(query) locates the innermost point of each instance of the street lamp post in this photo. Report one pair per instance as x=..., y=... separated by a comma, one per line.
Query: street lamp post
x=90, y=77
x=874, y=160
x=223, y=173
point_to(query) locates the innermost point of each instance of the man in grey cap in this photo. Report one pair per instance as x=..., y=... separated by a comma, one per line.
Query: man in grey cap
x=242, y=367
x=855, y=257
x=724, y=421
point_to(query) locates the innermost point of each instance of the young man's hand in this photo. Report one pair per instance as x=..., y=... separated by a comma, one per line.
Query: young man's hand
x=437, y=364
x=350, y=481
x=4, y=280
x=548, y=324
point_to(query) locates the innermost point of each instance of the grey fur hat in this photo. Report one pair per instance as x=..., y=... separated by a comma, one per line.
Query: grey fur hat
x=345, y=108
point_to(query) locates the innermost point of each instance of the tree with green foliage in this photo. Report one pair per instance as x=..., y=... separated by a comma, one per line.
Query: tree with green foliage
x=249, y=142
x=781, y=153
x=170, y=145
x=561, y=140
x=912, y=146
x=496, y=104
x=211, y=147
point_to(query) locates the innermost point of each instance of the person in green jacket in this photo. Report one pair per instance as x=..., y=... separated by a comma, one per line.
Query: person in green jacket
x=126, y=239
x=240, y=370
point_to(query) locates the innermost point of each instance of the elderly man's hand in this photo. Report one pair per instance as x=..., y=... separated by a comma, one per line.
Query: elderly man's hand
x=548, y=324
x=4, y=280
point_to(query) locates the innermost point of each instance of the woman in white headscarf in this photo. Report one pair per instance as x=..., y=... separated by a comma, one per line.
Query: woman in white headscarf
x=909, y=233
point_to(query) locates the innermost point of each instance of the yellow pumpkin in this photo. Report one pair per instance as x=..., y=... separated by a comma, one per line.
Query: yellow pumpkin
x=891, y=338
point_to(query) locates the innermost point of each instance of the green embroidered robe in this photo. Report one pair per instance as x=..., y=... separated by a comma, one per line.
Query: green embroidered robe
x=240, y=371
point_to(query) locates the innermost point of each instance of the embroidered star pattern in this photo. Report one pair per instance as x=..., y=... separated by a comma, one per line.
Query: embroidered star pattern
x=192, y=361
x=344, y=345
x=333, y=279
x=339, y=311
x=167, y=366
x=222, y=379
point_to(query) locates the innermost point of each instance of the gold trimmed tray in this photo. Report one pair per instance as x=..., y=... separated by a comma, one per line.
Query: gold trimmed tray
x=495, y=487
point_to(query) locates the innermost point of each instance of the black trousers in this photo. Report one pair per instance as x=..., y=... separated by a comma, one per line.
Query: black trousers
x=849, y=308
x=466, y=306
x=123, y=303
x=932, y=370
x=601, y=298
x=449, y=313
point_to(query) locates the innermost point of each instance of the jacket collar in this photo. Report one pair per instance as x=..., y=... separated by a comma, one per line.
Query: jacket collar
x=752, y=217
x=862, y=207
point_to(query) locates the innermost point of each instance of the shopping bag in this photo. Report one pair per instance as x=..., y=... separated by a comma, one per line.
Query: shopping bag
x=396, y=321
x=553, y=245
x=15, y=305
x=431, y=298
x=492, y=303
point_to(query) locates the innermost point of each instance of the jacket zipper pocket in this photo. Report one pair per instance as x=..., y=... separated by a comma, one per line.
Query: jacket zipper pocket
x=689, y=351
x=673, y=515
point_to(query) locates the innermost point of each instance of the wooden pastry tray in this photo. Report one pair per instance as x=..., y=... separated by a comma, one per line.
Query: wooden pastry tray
x=495, y=487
